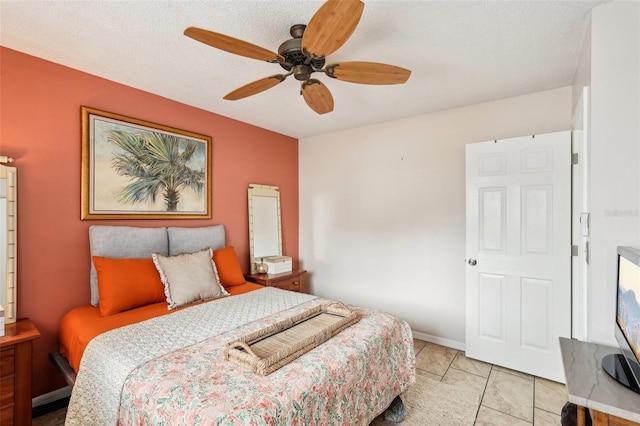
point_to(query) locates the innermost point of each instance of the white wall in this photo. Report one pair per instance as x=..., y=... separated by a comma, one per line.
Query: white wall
x=582, y=75
x=615, y=153
x=382, y=208
x=581, y=138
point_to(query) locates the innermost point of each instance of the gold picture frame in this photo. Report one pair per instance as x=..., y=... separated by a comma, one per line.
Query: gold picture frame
x=135, y=169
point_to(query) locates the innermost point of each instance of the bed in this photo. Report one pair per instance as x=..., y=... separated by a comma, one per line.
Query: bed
x=132, y=360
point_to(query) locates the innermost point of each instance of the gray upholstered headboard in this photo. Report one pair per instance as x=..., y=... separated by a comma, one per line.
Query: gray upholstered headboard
x=134, y=242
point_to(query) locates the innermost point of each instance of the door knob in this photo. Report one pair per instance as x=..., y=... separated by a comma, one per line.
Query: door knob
x=472, y=262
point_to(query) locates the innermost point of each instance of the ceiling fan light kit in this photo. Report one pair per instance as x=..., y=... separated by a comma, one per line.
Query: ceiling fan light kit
x=305, y=54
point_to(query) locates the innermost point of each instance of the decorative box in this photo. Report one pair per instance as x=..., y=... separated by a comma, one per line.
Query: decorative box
x=278, y=264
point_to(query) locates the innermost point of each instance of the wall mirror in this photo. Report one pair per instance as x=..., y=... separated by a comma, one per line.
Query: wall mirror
x=8, y=252
x=265, y=231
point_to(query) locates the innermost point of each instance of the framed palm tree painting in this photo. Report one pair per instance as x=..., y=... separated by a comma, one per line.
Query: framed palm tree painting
x=134, y=169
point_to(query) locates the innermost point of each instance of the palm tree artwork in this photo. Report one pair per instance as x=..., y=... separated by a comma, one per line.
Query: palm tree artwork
x=155, y=163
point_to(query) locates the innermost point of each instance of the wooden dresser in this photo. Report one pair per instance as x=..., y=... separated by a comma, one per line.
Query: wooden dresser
x=15, y=372
x=293, y=280
x=597, y=395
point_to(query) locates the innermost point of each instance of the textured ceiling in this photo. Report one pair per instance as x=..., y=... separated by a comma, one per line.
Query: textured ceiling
x=459, y=52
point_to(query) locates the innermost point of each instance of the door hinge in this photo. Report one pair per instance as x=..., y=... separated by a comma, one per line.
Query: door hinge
x=587, y=254
x=574, y=158
x=574, y=250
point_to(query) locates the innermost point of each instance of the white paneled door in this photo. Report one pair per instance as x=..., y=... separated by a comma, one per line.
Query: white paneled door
x=518, y=252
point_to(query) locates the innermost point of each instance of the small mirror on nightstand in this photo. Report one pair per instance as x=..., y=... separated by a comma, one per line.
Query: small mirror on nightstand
x=265, y=228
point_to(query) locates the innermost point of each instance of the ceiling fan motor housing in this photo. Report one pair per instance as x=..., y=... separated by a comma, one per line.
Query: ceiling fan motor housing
x=295, y=58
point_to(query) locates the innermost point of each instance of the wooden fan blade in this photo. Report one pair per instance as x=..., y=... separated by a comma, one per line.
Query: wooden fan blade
x=317, y=96
x=232, y=45
x=331, y=26
x=368, y=73
x=255, y=87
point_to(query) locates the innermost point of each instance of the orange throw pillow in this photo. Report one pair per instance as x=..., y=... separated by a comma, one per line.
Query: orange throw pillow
x=228, y=267
x=125, y=284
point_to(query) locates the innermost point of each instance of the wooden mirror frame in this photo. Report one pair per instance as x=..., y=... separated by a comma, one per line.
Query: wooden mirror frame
x=265, y=224
x=8, y=243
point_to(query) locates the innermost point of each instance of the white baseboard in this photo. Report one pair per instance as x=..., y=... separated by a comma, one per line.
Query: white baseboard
x=51, y=396
x=439, y=340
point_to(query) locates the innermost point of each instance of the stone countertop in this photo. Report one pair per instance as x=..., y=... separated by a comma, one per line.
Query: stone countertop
x=590, y=386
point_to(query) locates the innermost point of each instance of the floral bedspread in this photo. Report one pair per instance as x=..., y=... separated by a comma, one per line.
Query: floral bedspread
x=349, y=379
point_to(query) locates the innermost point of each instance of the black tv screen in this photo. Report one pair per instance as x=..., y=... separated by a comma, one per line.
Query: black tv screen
x=625, y=367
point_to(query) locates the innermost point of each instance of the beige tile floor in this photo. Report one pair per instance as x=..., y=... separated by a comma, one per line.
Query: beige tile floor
x=508, y=397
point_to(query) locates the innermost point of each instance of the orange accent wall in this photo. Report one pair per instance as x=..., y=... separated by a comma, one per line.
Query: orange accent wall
x=40, y=127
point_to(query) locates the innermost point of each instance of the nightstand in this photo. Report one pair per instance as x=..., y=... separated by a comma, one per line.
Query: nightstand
x=15, y=372
x=293, y=280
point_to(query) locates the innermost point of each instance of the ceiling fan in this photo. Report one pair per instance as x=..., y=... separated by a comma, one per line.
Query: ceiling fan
x=305, y=54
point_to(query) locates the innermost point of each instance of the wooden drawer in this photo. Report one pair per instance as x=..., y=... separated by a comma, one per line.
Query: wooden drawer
x=617, y=421
x=292, y=281
x=599, y=418
x=7, y=358
x=6, y=416
x=292, y=284
x=7, y=391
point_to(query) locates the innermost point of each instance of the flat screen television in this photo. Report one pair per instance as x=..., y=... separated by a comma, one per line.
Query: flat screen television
x=625, y=367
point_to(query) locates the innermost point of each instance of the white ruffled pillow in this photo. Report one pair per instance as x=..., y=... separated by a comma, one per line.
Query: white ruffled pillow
x=188, y=277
